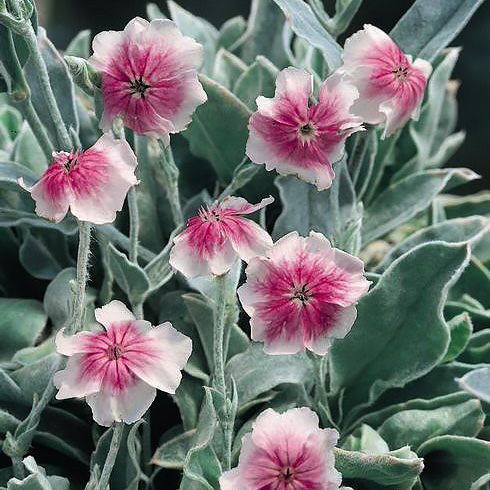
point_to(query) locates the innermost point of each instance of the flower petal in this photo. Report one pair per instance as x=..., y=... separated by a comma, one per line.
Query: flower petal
x=101, y=180
x=112, y=312
x=124, y=406
x=171, y=350
x=72, y=383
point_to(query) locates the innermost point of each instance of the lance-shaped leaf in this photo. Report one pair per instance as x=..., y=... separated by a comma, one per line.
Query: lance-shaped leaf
x=218, y=131
x=469, y=230
x=435, y=22
x=304, y=24
x=407, y=197
x=401, y=321
x=255, y=372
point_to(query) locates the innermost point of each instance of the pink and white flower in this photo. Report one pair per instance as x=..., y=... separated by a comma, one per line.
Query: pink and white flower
x=92, y=183
x=302, y=294
x=149, y=76
x=391, y=86
x=286, y=451
x=290, y=134
x=217, y=236
x=118, y=369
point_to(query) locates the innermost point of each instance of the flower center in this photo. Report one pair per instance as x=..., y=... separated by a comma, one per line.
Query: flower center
x=400, y=72
x=307, y=130
x=209, y=214
x=287, y=474
x=70, y=163
x=139, y=86
x=115, y=352
x=303, y=293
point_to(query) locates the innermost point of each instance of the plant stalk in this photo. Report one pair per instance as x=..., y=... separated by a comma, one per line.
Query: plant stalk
x=111, y=455
x=171, y=173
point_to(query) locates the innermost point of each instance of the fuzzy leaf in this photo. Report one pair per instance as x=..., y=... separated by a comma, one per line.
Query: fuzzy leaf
x=477, y=383
x=435, y=22
x=218, y=131
x=21, y=322
x=454, y=462
x=407, y=197
x=392, y=320
x=305, y=24
x=414, y=427
x=255, y=372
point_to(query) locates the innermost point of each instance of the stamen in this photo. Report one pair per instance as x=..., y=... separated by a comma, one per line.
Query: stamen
x=139, y=86
x=307, y=129
x=303, y=293
x=400, y=72
x=115, y=351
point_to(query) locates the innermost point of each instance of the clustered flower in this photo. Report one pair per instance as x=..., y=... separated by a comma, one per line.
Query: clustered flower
x=300, y=292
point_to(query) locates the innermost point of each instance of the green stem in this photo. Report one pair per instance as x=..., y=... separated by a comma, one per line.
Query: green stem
x=134, y=225
x=42, y=72
x=82, y=274
x=358, y=153
x=18, y=468
x=171, y=173
x=111, y=455
x=321, y=398
x=219, y=380
x=20, y=95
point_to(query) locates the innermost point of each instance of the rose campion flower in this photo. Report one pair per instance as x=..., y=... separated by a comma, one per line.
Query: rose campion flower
x=285, y=451
x=215, y=238
x=149, y=76
x=92, y=183
x=391, y=86
x=302, y=294
x=118, y=369
x=290, y=134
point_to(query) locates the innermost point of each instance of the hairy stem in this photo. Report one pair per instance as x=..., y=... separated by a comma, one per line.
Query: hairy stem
x=219, y=381
x=134, y=225
x=111, y=455
x=42, y=72
x=82, y=275
x=171, y=173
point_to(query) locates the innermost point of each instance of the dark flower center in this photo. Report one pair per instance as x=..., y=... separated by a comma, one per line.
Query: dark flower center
x=307, y=129
x=139, y=86
x=303, y=293
x=115, y=352
x=400, y=72
x=287, y=473
x=70, y=163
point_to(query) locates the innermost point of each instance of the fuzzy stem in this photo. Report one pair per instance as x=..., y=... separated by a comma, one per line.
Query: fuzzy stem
x=219, y=380
x=82, y=274
x=171, y=173
x=134, y=225
x=18, y=468
x=111, y=455
x=20, y=96
x=358, y=153
x=30, y=37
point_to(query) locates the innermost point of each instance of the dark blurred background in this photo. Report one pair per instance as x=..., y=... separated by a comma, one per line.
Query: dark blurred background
x=64, y=18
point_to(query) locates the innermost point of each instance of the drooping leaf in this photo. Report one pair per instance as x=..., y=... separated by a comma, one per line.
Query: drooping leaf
x=230, y=32
x=80, y=45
